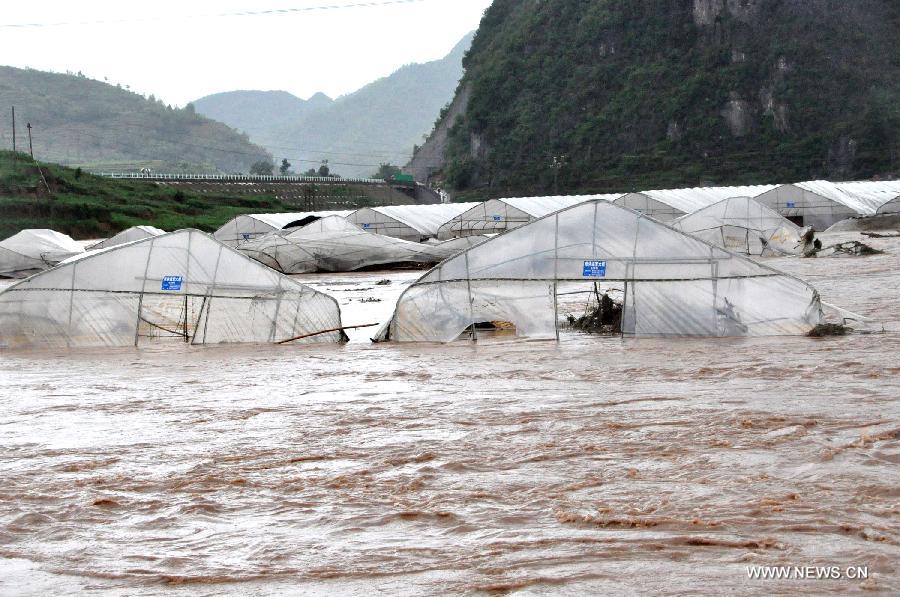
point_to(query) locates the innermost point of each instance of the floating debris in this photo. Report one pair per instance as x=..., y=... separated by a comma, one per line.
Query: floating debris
x=853, y=248
x=384, y=282
x=824, y=330
x=878, y=235
x=604, y=317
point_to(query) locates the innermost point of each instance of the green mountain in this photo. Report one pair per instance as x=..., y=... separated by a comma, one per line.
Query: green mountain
x=261, y=114
x=579, y=95
x=81, y=122
x=380, y=122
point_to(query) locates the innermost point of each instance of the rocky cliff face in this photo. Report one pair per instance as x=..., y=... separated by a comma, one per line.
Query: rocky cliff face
x=672, y=92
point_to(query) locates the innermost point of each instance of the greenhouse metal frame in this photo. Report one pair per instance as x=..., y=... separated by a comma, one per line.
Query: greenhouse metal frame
x=674, y=284
x=182, y=286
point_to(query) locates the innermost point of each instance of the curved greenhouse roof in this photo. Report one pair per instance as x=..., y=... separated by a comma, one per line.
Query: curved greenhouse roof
x=34, y=250
x=129, y=235
x=497, y=215
x=674, y=284
x=743, y=225
x=821, y=203
x=249, y=226
x=182, y=287
x=667, y=204
x=410, y=222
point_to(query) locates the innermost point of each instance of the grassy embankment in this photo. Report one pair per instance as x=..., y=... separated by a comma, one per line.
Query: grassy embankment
x=86, y=206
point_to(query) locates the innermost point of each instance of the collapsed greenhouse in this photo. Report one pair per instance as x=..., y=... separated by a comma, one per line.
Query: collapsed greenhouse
x=668, y=204
x=31, y=251
x=128, y=236
x=745, y=226
x=498, y=215
x=332, y=244
x=409, y=222
x=246, y=227
x=671, y=284
x=179, y=287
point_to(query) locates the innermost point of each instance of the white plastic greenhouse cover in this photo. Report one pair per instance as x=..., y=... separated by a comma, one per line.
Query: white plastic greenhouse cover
x=667, y=204
x=127, y=236
x=410, y=222
x=249, y=226
x=675, y=285
x=33, y=250
x=861, y=201
x=743, y=225
x=183, y=286
x=332, y=244
x=498, y=215
x=890, y=207
x=876, y=193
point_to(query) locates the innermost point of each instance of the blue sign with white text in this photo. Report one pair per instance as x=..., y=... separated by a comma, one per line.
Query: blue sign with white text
x=791, y=204
x=497, y=218
x=366, y=225
x=594, y=269
x=172, y=282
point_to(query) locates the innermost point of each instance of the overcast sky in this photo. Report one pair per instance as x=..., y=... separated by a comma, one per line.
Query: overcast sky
x=182, y=50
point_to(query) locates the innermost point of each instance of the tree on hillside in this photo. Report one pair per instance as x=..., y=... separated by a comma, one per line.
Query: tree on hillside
x=387, y=171
x=285, y=167
x=323, y=169
x=262, y=168
x=311, y=172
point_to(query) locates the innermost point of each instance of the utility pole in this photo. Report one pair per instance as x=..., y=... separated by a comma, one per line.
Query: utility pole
x=557, y=165
x=14, y=132
x=30, y=146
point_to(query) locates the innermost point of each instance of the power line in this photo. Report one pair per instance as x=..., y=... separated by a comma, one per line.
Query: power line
x=244, y=13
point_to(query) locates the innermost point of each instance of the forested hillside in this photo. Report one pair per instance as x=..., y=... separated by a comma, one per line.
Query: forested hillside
x=79, y=121
x=579, y=95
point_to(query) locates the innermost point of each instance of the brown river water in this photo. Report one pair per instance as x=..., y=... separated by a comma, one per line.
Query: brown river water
x=592, y=465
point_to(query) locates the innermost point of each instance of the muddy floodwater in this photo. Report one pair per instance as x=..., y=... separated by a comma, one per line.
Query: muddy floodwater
x=592, y=465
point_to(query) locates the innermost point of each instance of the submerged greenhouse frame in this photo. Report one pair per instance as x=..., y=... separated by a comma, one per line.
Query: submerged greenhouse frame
x=673, y=284
x=246, y=227
x=333, y=244
x=745, y=226
x=182, y=286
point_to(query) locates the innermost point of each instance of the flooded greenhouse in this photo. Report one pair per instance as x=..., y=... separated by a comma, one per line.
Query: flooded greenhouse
x=184, y=287
x=670, y=284
x=745, y=226
x=333, y=244
x=31, y=251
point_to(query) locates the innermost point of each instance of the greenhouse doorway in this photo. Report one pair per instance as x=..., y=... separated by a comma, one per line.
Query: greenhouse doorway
x=592, y=307
x=168, y=318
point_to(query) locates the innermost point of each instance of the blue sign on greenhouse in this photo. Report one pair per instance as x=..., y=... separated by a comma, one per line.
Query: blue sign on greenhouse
x=791, y=204
x=366, y=225
x=172, y=282
x=497, y=218
x=594, y=269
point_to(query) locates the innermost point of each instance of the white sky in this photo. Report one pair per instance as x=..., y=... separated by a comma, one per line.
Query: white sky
x=178, y=51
